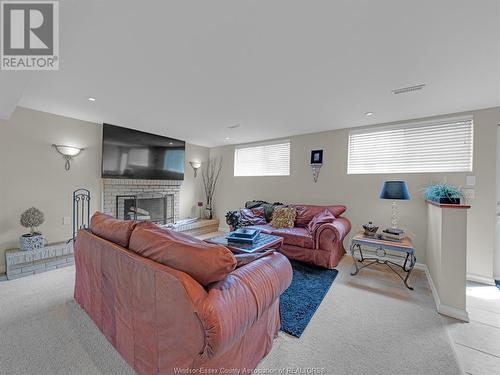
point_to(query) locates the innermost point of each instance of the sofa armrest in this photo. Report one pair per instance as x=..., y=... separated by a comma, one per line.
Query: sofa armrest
x=236, y=303
x=327, y=234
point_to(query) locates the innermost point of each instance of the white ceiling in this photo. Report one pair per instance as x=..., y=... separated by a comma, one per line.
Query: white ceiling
x=189, y=69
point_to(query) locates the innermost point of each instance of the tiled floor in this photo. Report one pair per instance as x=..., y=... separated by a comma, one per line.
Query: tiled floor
x=478, y=342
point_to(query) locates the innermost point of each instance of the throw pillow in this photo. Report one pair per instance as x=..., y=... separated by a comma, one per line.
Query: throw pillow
x=305, y=212
x=252, y=216
x=283, y=217
x=320, y=218
x=268, y=207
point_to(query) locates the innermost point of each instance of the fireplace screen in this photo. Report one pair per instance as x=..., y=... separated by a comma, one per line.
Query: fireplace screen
x=157, y=208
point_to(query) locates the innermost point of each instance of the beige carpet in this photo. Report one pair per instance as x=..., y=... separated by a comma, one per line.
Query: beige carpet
x=371, y=324
x=367, y=324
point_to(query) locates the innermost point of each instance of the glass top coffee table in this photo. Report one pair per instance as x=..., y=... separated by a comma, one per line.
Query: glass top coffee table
x=261, y=243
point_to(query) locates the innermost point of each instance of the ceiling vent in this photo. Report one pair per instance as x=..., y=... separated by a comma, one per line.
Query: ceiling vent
x=404, y=90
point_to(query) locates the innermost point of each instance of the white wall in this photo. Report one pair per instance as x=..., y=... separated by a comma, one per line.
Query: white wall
x=481, y=219
x=360, y=192
x=446, y=259
x=32, y=173
x=192, y=188
x=496, y=268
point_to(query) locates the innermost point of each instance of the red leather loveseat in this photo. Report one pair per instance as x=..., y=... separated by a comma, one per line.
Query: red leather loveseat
x=170, y=303
x=324, y=247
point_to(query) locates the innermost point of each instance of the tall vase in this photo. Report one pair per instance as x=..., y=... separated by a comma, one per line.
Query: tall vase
x=208, y=212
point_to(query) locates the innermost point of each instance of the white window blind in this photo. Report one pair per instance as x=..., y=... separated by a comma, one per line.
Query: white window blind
x=439, y=146
x=264, y=159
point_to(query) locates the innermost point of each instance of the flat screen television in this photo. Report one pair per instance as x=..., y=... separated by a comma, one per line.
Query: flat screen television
x=128, y=153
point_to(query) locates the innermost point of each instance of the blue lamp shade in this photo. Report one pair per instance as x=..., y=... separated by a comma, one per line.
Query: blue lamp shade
x=394, y=190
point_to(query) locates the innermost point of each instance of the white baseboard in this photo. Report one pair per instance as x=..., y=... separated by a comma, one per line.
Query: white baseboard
x=441, y=308
x=421, y=266
x=453, y=312
x=480, y=279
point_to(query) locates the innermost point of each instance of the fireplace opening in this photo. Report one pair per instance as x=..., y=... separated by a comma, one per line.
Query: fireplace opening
x=157, y=208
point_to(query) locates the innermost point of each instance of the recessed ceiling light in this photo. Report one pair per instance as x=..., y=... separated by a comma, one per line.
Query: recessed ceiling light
x=170, y=143
x=91, y=99
x=227, y=138
x=368, y=113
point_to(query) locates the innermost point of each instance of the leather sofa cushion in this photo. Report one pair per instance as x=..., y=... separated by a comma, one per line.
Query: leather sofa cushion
x=111, y=229
x=305, y=213
x=295, y=237
x=206, y=263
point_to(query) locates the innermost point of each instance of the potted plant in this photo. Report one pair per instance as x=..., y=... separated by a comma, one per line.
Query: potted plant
x=32, y=218
x=233, y=220
x=443, y=193
x=210, y=175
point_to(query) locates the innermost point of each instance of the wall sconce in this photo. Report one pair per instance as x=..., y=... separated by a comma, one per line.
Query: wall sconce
x=68, y=153
x=316, y=163
x=195, y=165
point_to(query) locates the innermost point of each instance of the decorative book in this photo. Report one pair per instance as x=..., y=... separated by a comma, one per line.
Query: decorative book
x=391, y=234
x=243, y=235
x=394, y=231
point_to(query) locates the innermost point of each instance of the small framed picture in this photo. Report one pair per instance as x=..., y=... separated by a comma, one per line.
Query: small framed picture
x=317, y=157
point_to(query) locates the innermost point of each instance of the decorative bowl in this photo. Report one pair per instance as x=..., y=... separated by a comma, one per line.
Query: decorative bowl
x=370, y=229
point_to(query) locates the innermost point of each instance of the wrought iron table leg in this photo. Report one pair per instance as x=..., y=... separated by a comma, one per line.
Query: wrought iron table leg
x=406, y=279
x=409, y=262
x=360, y=253
x=406, y=261
x=413, y=260
x=355, y=261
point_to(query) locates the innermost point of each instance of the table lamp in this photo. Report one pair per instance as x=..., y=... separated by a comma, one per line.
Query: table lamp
x=394, y=190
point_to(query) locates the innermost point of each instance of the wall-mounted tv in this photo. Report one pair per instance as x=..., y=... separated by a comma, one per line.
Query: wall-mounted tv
x=128, y=153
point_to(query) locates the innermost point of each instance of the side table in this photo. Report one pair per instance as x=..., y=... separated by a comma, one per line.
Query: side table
x=390, y=253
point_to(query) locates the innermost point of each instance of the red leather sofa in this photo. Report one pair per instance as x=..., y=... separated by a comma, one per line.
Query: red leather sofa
x=171, y=303
x=324, y=247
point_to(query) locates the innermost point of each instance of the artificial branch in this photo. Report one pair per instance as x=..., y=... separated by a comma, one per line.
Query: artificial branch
x=210, y=175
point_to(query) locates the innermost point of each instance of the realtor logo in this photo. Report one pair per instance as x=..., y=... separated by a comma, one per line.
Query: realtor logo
x=29, y=35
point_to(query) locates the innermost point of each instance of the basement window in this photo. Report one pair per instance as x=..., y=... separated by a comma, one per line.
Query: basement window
x=425, y=147
x=263, y=159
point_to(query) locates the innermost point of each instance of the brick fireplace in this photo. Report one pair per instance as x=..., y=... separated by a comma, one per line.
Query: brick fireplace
x=156, y=200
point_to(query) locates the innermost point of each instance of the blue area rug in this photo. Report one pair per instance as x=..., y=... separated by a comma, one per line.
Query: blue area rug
x=301, y=300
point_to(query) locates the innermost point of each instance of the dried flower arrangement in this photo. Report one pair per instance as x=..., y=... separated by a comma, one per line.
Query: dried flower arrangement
x=210, y=175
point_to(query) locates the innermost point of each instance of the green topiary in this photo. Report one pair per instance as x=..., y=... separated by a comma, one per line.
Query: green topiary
x=32, y=218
